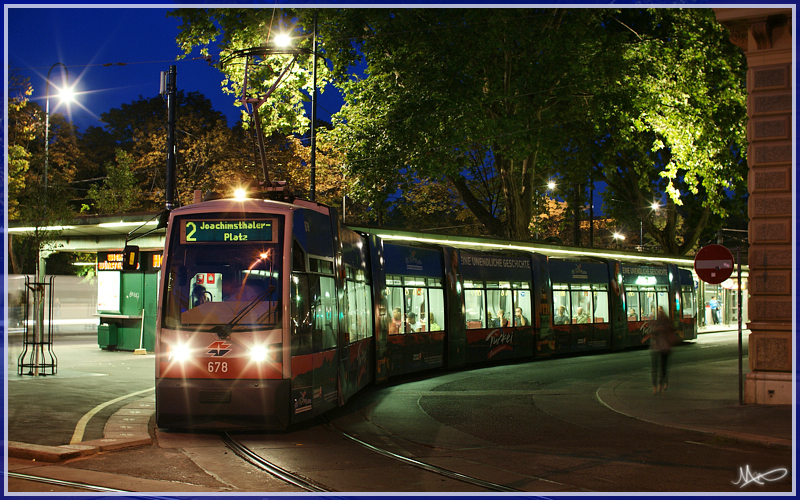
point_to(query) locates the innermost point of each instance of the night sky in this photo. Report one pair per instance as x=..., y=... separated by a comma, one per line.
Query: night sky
x=114, y=56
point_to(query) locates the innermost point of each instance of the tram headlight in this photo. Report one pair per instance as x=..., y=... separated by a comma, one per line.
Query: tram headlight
x=180, y=352
x=258, y=354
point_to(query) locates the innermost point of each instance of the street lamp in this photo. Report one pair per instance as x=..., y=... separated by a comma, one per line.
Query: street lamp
x=618, y=236
x=551, y=185
x=66, y=95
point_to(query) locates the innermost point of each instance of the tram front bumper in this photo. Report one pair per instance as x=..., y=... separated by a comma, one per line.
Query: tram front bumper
x=222, y=404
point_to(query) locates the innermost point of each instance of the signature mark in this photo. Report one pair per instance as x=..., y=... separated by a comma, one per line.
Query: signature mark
x=748, y=477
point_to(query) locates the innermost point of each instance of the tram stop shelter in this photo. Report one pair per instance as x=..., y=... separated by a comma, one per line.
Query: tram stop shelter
x=127, y=300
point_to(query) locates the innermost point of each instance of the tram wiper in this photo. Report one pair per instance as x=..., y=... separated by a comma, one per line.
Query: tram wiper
x=224, y=331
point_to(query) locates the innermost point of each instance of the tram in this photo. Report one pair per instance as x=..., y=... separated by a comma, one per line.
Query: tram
x=271, y=313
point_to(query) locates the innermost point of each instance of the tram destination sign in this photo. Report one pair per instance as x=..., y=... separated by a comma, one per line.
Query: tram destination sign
x=713, y=264
x=228, y=230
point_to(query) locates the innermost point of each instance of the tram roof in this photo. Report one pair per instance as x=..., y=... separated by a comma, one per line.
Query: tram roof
x=550, y=250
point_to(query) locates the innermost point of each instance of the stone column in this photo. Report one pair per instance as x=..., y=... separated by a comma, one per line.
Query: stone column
x=765, y=35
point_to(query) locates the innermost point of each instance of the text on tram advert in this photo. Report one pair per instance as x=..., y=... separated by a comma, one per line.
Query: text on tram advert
x=233, y=231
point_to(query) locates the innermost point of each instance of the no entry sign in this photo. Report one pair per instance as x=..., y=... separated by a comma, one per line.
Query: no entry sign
x=713, y=264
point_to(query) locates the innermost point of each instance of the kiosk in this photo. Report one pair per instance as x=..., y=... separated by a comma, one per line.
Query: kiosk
x=127, y=302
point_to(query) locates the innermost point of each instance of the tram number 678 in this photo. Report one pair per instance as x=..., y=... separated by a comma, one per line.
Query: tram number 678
x=217, y=366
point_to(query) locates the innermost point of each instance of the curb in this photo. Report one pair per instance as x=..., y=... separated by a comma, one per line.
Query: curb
x=126, y=428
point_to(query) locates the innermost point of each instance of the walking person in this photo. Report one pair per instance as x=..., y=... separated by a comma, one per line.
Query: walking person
x=661, y=338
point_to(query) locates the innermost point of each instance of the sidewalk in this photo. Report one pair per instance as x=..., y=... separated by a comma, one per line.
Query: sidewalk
x=702, y=397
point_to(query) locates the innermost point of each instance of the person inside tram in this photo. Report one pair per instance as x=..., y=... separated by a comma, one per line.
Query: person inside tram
x=432, y=323
x=501, y=318
x=520, y=320
x=561, y=316
x=491, y=322
x=412, y=325
x=198, y=295
x=581, y=316
x=394, y=327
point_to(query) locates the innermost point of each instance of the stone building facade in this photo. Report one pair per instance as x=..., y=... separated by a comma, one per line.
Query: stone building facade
x=765, y=36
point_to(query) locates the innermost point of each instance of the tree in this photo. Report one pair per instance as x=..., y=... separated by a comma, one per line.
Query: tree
x=670, y=128
x=444, y=85
x=39, y=205
x=119, y=191
x=234, y=30
x=530, y=92
x=210, y=155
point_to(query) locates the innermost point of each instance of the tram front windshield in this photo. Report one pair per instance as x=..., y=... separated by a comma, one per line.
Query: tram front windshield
x=233, y=286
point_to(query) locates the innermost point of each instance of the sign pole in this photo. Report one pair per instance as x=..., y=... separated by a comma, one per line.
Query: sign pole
x=739, y=302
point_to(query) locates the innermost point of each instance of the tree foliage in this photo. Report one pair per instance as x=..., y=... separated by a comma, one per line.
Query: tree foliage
x=119, y=192
x=649, y=100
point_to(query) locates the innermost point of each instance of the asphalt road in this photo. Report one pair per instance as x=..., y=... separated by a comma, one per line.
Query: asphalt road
x=536, y=426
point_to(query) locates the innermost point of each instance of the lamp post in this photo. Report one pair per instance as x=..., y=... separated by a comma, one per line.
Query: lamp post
x=282, y=46
x=66, y=95
x=551, y=185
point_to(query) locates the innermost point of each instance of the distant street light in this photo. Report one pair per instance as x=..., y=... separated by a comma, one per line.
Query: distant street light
x=618, y=236
x=551, y=185
x=66, y=95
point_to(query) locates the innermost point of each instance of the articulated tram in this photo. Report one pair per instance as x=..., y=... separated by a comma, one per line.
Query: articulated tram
x=272, y=313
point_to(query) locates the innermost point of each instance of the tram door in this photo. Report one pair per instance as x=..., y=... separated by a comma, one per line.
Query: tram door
x=314, y=320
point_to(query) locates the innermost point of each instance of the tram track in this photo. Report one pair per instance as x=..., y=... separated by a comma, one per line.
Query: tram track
x=63, y=483
x=306, y=484
x=262, y=463
x=420, y=464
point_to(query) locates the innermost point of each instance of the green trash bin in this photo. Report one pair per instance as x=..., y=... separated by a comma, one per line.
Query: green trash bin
x=107, y=336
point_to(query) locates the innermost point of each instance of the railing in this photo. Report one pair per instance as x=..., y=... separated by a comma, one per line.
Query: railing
x=37, y=357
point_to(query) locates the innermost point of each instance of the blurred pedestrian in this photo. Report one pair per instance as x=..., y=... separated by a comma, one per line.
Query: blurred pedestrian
x=661, y=337
x=714, y=309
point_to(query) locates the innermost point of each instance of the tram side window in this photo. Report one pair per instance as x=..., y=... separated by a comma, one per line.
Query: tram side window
x=689, y=306
x=359, y=310
x=633, y=304
x=582, y=305
x=436, y=316
x=475, y=304
x=500, y=307
x=600, y=296
x=416, y=304
x=314, y=313
x=394, y=303
x=301, y=321
x=412, y=304
x=561, y=304
x=662, y=299
x=649, y=303
x=522, y=301
x=326, y=322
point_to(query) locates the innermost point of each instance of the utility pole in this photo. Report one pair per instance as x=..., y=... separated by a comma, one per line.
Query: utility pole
x=169, y=87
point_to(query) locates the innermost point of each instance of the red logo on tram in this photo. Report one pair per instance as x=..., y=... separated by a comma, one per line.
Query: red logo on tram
x=218, y=348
